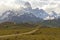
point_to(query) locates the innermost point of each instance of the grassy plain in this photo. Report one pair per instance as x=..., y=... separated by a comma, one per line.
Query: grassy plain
x=42, y=34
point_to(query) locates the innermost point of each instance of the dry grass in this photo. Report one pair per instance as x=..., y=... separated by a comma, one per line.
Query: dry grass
x=41, y=34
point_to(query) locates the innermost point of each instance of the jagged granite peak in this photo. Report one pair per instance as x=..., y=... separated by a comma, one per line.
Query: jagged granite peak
x=25, y=18
x=27, y=15
x=54, y=14
x=40, y=13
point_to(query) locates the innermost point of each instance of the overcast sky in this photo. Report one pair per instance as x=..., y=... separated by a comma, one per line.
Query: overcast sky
x=49, y=5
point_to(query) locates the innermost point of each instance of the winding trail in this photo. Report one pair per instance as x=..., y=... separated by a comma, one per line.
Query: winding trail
x=30, y=32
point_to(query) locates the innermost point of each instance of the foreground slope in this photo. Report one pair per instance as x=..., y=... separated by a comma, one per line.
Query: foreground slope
x=43, y=33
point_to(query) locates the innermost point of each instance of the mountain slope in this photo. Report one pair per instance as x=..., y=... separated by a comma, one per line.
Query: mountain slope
x=27, y=15
x=25, y=18
x=40, y=13
x=12, y=17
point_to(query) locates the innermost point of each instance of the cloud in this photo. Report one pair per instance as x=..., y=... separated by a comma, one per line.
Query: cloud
x=53, y=7
x=42, y=4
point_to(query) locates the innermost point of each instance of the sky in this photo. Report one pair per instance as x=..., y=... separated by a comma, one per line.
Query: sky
x=48, y=5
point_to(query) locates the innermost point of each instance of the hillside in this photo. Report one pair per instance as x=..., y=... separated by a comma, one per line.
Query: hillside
x=41, y=34
x=13, y=29
x=7, y=28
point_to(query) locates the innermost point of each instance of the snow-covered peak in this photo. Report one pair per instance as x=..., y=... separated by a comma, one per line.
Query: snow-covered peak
x=29, y=13
x=54, y=14
x=7, y=13
x=40, y=13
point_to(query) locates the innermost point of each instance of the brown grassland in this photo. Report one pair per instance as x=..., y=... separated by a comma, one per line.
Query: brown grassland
x=41, y=34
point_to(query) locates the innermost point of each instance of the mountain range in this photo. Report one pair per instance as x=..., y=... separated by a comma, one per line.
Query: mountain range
x=28, y=15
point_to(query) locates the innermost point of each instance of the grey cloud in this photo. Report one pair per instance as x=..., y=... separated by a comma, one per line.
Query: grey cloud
x=43, y=0
x=26, y=4
x=19, y=2
x=52, y=3
x=56, y=0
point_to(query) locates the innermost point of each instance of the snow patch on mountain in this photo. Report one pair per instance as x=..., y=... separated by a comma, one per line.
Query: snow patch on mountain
x=28, y=13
